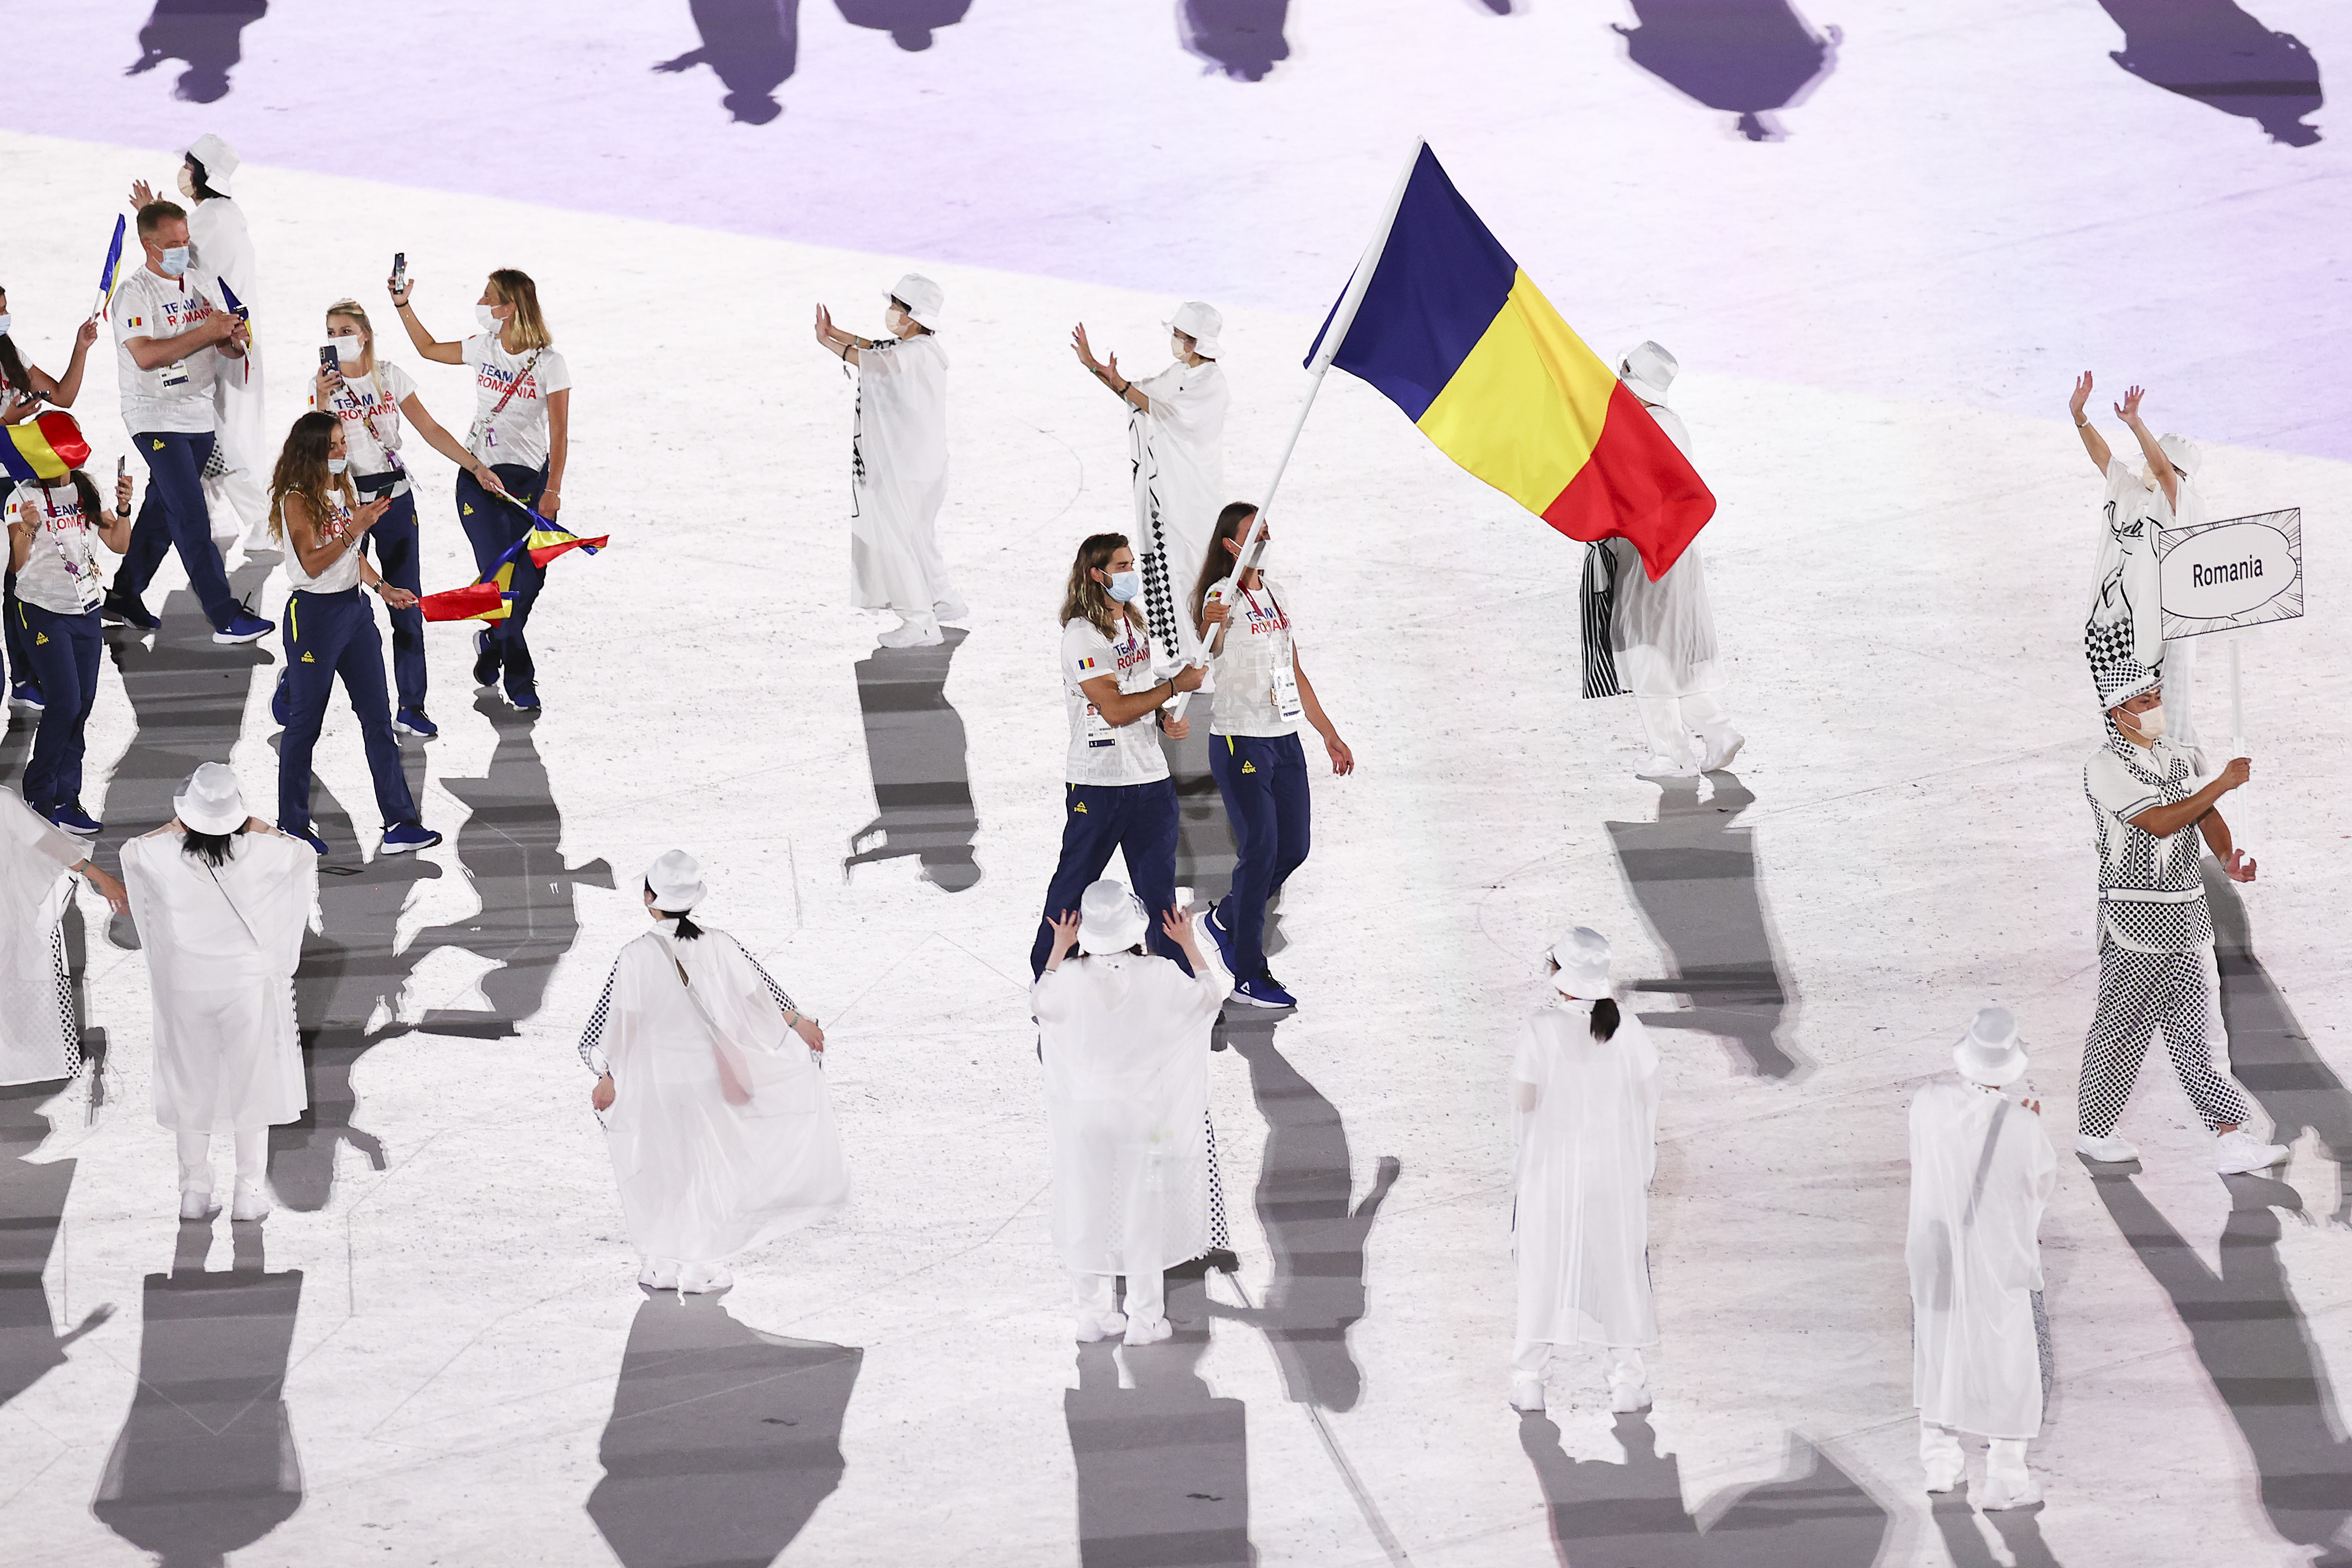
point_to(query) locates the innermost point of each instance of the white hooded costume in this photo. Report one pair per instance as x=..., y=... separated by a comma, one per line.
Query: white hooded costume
x=242, y=443
x=1981, y=1173
x=721, y=1132
x=1125, y=1041
x=898, y=466
x=38, y=1040
x=1178, y=451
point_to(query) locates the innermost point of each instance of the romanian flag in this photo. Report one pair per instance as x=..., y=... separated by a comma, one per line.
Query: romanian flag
x=46, y=446
x=108, y=274
x=491, y=596
x=1452, y=332
x=478, y=600
x=546, y=541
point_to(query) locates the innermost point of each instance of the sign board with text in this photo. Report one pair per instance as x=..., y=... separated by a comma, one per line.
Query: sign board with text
x=2228, y=575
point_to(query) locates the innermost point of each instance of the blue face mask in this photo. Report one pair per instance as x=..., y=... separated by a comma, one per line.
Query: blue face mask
x=1125, y=586
x=175, y=260
x=337, y=464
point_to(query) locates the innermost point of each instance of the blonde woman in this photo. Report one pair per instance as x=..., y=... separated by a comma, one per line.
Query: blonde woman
x=329, y=631
x=523, y=417
x=369, y=397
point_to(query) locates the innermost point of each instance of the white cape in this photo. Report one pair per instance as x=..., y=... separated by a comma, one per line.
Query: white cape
x=899, y=476
x=222, y=946
x=1126, y=1046
x=721, y=1132
x=224, y=250
x=1178, y=454
x=36, y=1021
x=1981, y=1171
x=1585, y=1153
x=1665, y=629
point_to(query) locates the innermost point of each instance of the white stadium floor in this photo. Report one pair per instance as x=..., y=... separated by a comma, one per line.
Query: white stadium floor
x=435, y=1350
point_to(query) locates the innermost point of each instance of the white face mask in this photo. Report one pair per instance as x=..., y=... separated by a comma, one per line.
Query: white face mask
x=348, y=349
x=6, y=320
x=187, y=183
x=1125, y=586
x=2149, y=726
x=337, y=464
x=175, y=261
x=490, y=322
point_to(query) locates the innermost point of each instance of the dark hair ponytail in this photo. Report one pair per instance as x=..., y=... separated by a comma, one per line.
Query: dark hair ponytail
x=213, y=848
x=1605, y=1019
x=686, y=929
x=12, y=364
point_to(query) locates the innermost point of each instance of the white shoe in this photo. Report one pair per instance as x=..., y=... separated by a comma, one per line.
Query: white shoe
x=1722, y=751
x=694, y=1278
x=249, y=1204
x=658, y=1274
x=1150, y=1332
x=2111, y=1150
x=913, y=631
x=1624, y=1398
x=197, y=1205
x=1942, y=1478
x=950, y=609
x=2237, y=1153
x=1665, y=768
x=1093, y=1328
x=2008, y=1483
x=1528, y=1394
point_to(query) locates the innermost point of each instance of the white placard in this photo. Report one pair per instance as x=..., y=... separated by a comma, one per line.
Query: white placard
x=2238, y=572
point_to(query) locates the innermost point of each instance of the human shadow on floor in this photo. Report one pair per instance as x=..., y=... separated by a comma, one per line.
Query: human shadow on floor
x=752, y=46
x=32, y=1206
x=2216, y=53
x=1746, y=57
x=2020, y=1529
x=2250, y=1337
x=1241, y=38
x=187, y=696
x=205, y=1463
x=1629, y=1514
x=206, y=33
x=723, y=1441
x=910, y=22
x=1164, y=1466
x=923, y=779
x=1693, y=875
x=512, y=848
x=2270, y=1050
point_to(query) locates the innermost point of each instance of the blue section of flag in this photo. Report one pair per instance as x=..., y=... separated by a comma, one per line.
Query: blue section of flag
x=113, y=257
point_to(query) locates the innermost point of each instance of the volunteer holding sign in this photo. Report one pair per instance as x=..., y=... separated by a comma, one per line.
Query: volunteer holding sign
x=1262, y=696
x=369, y=398
x=1119, y=795
x=522, y=423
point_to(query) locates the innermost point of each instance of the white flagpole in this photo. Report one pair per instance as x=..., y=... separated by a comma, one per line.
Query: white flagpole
x=1342, y=319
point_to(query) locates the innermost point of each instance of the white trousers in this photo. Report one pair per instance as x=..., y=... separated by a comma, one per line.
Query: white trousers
x=197, y=1158
x=1676, y=704
x=1147, y=1296
x=1532, y=1358
x=1940, y=1456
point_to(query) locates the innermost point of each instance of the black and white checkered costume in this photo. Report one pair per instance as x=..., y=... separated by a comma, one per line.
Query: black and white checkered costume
x=2155, y=940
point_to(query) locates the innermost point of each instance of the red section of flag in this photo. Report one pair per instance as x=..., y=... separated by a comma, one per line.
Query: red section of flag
x=546, y=553
x=65, y=438
x=1637, y=486
x=462, y=603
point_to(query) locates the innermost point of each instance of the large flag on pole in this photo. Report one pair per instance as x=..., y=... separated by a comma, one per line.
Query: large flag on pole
x=1452, y=331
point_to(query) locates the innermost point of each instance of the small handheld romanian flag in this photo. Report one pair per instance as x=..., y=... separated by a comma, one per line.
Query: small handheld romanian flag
x=47, y=447
x=1452, y=332
x=112, y=269
x=492, y=597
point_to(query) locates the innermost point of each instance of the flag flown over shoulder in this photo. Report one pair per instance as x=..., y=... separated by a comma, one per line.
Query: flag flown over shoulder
x=1451, y=330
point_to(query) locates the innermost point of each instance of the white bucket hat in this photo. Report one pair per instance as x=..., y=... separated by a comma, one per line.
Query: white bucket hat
x=676, y=882
x=2186, y=455
x=208, y=800
x=219, y=159
x=1583, y=958
x=922, y=298
x=1649, y=371
x=1110, y=918
x=1989, y=1053
x=1201, y=323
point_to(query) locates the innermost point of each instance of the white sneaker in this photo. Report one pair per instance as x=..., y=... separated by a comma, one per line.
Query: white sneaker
x=1943, y=1477
x=658, y=1274
x=950, y=609
x=694, y=1278
x=197, y=1205
x=1665, y=768
x=2112, y=1150
x=2008, y=1483
x=1722, y=751
x=1528, y=1394
x=1624, y=1398
x=1093, y=1329
x=249, y=1204
x=1150, y=1332
x=2237, y=1153
x=913, y=631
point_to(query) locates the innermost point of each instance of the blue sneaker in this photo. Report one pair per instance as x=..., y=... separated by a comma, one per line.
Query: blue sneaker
x=1220, y=937
x=1263, y=992
x=523, y=702
x=26, y=696
x=281, y=705
x=74, y=820
x=486, y=660
x=244, y=628
x=402, y=837
x=412, y=721
x=123, y=608
x=308, y=835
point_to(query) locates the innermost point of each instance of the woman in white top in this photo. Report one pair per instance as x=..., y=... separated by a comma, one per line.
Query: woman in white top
x=1118, y=795
x=53, y=526
x=25, y=390
x=1584, y=1094
x=721, y=1132
x=221, y=902
x=39, y=1038
x=1124, y=1036
x=1262, y=696
x=1176, y=443
x=522, y=429
x=369, y=397
x=331, y=631
x=899, y=464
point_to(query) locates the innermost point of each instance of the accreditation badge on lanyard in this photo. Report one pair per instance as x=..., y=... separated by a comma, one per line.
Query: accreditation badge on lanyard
x=1284, y=690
